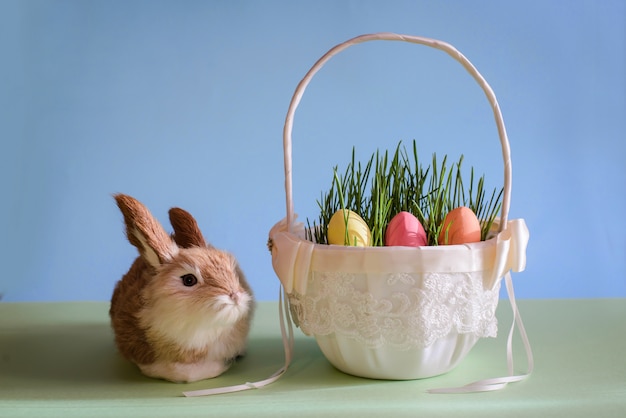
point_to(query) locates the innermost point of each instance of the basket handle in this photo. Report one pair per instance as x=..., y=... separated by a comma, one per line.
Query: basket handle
x=386, y=36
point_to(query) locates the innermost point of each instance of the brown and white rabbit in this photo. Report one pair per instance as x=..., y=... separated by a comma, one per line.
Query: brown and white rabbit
x=183, y=310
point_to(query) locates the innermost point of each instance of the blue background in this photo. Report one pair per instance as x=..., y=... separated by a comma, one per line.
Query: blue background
x=182, y=103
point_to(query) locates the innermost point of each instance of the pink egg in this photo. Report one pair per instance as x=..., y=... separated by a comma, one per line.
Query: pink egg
x=404, y=229
x=460, y=226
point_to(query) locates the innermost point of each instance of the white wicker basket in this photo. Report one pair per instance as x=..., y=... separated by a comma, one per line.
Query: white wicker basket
x=396, y=312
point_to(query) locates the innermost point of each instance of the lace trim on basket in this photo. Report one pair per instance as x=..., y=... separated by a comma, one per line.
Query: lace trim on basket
x=413, y=311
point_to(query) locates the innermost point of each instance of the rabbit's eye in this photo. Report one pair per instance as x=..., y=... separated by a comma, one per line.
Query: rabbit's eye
x=189, y=280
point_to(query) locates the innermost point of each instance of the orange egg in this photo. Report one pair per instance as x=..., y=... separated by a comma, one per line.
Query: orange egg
x=405, y=229
x=460, y=226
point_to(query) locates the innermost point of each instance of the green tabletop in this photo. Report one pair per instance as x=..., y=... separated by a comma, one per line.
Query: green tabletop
x=58, y=359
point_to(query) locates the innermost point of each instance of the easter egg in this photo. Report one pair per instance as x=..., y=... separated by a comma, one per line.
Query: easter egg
x=460, y=226
x=405, y=229
x=358, y=233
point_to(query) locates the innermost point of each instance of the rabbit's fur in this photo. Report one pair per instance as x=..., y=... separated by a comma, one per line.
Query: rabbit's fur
x=183, y=310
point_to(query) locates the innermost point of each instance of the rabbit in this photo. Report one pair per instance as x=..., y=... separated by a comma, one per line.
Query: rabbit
x=183, y=311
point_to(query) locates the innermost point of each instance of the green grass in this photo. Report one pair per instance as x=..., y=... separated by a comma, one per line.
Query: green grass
x=387, y=184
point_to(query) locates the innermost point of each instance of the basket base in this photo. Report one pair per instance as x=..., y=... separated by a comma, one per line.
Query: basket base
x=386, y=363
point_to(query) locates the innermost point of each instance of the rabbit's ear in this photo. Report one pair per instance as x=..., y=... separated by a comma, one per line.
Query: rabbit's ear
x=186, y=231
x=145, y=232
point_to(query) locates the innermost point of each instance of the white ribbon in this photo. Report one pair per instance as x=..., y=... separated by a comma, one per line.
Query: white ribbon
x=484, y=385
x=498, y=383
x=288, y=340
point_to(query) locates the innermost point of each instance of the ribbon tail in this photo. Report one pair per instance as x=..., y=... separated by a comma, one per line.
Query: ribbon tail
x=498, y=383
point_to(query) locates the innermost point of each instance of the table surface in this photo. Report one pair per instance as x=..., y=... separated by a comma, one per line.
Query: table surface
x=58, y=359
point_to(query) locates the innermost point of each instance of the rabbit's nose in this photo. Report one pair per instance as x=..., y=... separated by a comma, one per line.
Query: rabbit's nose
x=235, y=296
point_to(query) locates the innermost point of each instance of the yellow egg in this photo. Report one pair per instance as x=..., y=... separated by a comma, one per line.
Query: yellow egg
x=460, y=226
x=358, y=232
